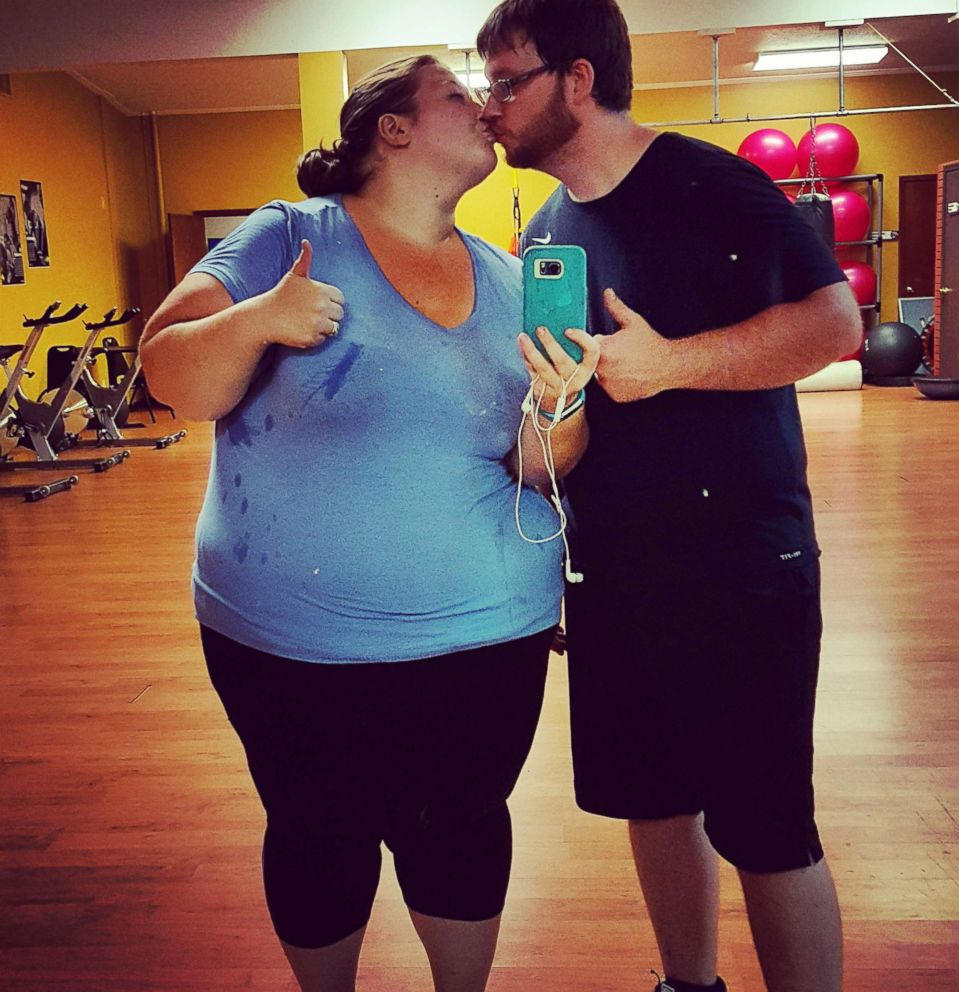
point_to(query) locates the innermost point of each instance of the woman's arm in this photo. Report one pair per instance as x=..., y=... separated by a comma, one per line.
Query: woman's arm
x=568, y=441
x=200, y=350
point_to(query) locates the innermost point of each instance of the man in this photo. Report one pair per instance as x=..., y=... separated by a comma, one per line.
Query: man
x=694, y=639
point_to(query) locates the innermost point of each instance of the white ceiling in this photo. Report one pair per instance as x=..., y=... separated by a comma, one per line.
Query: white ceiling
x=929, y=41
x=676, y=58
x=59, y=33
x=265, y=82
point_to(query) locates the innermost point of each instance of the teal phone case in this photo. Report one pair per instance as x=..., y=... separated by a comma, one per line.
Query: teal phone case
x=555, y=299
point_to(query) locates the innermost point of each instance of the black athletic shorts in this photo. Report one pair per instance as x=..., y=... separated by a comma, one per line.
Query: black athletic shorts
x=691, y=697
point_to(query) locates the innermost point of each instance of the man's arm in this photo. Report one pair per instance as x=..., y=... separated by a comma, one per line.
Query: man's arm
x=773, y=348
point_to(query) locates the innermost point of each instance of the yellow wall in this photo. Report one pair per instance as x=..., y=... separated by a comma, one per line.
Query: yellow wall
x=487, y=210
x=140, y=252
x=229, y=161
x=239, y=161
x=90, y=161
x=323, y=91
x=895, y=145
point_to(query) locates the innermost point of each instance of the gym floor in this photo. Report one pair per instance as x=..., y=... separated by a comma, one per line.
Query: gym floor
x=129, y=832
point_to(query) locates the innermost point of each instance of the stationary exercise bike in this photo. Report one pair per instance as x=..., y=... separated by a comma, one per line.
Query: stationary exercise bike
x=8, y=439
x=110, y=402
x=48, y=427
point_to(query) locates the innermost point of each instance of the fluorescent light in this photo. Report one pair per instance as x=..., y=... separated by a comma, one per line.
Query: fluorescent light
x=475, y=79
x=821, y=58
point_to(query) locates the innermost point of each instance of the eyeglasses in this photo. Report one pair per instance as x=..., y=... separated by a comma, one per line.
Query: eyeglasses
x=501, y=90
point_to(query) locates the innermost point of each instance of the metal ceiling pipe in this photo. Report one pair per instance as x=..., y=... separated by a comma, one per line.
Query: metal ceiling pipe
x=749, y=118
x=841, y=111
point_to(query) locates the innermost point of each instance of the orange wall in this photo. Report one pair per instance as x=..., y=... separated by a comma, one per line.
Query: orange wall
x=229, y=161
x=91, y=162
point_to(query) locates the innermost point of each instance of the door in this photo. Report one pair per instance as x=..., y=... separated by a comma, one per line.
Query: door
x=187, y=243
x=947, y=274
x=917, y=234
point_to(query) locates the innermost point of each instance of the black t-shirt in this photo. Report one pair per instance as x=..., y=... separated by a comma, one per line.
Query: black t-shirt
x=694, y=239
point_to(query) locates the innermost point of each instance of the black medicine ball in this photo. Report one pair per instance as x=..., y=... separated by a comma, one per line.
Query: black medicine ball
x=891, y=349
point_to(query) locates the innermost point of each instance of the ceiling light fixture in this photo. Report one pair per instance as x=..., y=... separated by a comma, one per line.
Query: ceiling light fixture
x=821, y=58
x=469, y=76
x=472, y=79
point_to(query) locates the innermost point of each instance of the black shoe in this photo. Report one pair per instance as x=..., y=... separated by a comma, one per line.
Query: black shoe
x=671, y=985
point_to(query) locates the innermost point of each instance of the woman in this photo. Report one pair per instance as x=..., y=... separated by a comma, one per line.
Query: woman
x=374, y=625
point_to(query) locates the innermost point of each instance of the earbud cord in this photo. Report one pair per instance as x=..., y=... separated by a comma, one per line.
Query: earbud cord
x=532, y=407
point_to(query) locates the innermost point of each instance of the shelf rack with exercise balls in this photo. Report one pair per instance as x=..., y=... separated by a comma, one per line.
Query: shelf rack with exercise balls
x=859, y=257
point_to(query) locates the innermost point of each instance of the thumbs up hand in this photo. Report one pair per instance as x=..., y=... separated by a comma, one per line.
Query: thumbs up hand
x=635, y=362
x=302, y=312
x=301, y=267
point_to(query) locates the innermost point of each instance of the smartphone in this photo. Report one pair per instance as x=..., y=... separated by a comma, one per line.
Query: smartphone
x=554, y=293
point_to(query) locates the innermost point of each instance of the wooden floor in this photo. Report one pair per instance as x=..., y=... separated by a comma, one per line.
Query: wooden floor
x=129, y=832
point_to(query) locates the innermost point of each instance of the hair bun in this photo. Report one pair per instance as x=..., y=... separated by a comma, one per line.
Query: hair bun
x=317, y=170
x=345, y=166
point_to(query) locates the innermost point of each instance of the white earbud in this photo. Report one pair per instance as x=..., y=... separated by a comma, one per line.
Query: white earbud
x=571, y=576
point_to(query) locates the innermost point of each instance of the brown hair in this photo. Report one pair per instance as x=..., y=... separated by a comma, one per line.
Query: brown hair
x=564, y=31
x=344, y=167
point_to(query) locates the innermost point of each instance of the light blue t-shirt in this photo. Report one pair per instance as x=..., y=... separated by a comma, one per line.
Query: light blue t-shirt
x=358, y=506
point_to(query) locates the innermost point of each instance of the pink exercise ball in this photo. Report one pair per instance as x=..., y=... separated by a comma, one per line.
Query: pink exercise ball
x=837, y=150
x=851, y=212
x=862, y=281
x=857, y=354
x=772, y=150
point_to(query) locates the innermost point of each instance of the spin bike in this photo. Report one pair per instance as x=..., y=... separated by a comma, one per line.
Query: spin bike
x=110, y=402
x=48, y=427
x=31, y=493
x=35, y=492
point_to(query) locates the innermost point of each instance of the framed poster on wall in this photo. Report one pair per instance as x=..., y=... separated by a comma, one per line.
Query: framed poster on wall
x=34, y=224
x=11, y=250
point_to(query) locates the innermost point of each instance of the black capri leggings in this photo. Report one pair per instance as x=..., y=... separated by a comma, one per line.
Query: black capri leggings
x=421, y=755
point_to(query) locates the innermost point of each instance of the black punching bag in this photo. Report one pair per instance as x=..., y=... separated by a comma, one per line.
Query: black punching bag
x=816, y=210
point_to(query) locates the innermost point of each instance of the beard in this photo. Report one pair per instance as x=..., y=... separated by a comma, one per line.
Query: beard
x=552, y=128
